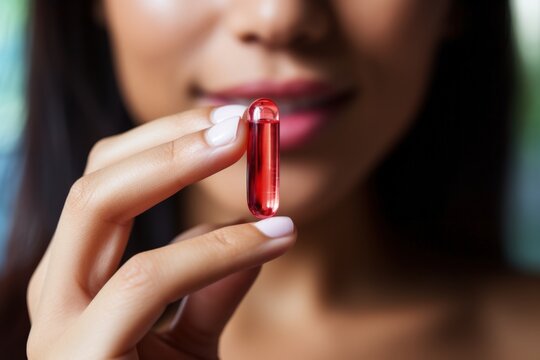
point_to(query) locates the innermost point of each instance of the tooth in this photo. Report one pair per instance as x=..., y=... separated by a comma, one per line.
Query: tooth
x=285, y=108
x=288, y=106
x=240, y=101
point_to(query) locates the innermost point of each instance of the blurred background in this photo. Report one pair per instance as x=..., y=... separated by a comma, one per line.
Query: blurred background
x=523, y=220
x=13, y=15
x=523, y=238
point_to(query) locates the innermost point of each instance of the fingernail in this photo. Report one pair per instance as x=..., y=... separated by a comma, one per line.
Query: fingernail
x=222, y=133
x=226, y=112
x=276, y=227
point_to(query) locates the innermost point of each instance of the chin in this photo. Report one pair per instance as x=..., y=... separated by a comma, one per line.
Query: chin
x=304, y=192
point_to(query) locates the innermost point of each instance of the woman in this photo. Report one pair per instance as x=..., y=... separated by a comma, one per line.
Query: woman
x=395, y=134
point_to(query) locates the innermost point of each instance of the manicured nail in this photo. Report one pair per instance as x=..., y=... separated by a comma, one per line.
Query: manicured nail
x=222, y=133
x=226, y=112
x=276, y=227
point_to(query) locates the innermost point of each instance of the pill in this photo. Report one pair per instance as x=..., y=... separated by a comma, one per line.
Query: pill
x=263, y=158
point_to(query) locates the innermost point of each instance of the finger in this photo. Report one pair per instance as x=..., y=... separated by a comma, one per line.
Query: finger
x=203, y=229
x=96, y=219
x=36, y=281
x=35, y=285
x=115, y=148
x=204, y=314
x=133, y=299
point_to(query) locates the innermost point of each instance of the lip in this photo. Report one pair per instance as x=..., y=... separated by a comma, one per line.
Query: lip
x=290, y=89
x=306, y=106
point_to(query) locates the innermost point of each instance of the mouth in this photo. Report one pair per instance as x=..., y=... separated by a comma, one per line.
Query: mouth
x=306, y=107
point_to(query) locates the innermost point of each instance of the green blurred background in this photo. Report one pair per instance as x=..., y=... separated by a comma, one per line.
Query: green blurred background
x=12, y=24
x=524, y=200
x=13, y=15
x=523, y=235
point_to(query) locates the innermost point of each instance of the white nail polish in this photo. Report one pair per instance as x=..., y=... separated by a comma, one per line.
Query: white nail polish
x=276, y=227
x=223, y=132
x=226, y=112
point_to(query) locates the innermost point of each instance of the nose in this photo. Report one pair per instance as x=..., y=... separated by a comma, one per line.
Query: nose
x=277, y=23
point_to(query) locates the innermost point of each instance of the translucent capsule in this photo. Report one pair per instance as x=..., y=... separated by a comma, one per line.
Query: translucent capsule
x=263, y=158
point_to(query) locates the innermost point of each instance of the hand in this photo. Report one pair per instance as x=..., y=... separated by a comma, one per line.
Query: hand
x=83, y=306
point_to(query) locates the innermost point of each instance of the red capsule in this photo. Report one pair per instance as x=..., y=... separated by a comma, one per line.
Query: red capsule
x=263, y=158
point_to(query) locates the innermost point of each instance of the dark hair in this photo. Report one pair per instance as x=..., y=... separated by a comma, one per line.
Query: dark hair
x=441, y=188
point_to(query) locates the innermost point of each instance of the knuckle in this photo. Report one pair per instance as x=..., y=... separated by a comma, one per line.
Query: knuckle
x=31, y=295
x=195, y=231
x=174, y=154
x=97, y=151
x=34, y=347
x=170, y=152
x=166, y=154
x=139, y=272
x=81, y=194
x=101, y=146
x=223, y=241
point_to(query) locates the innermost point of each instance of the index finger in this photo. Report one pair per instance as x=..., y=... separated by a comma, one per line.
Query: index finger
x=102, y=204
x=115, y=148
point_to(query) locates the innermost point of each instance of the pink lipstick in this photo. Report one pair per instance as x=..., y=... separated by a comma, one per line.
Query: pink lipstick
x=306, y=106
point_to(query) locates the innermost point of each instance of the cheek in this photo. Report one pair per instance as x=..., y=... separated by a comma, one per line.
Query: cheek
x=393, y=43
x=154, y=43
x=383, y=28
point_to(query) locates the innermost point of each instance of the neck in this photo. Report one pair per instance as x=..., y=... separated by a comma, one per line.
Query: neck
x=344, y=257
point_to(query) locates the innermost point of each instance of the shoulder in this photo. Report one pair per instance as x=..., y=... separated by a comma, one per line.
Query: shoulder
x=510, y=313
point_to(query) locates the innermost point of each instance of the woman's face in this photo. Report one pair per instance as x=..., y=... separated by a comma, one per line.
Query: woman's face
x=349, y=76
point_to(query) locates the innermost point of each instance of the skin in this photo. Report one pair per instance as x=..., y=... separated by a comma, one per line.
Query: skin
x=81, y=303
x=384, y=51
